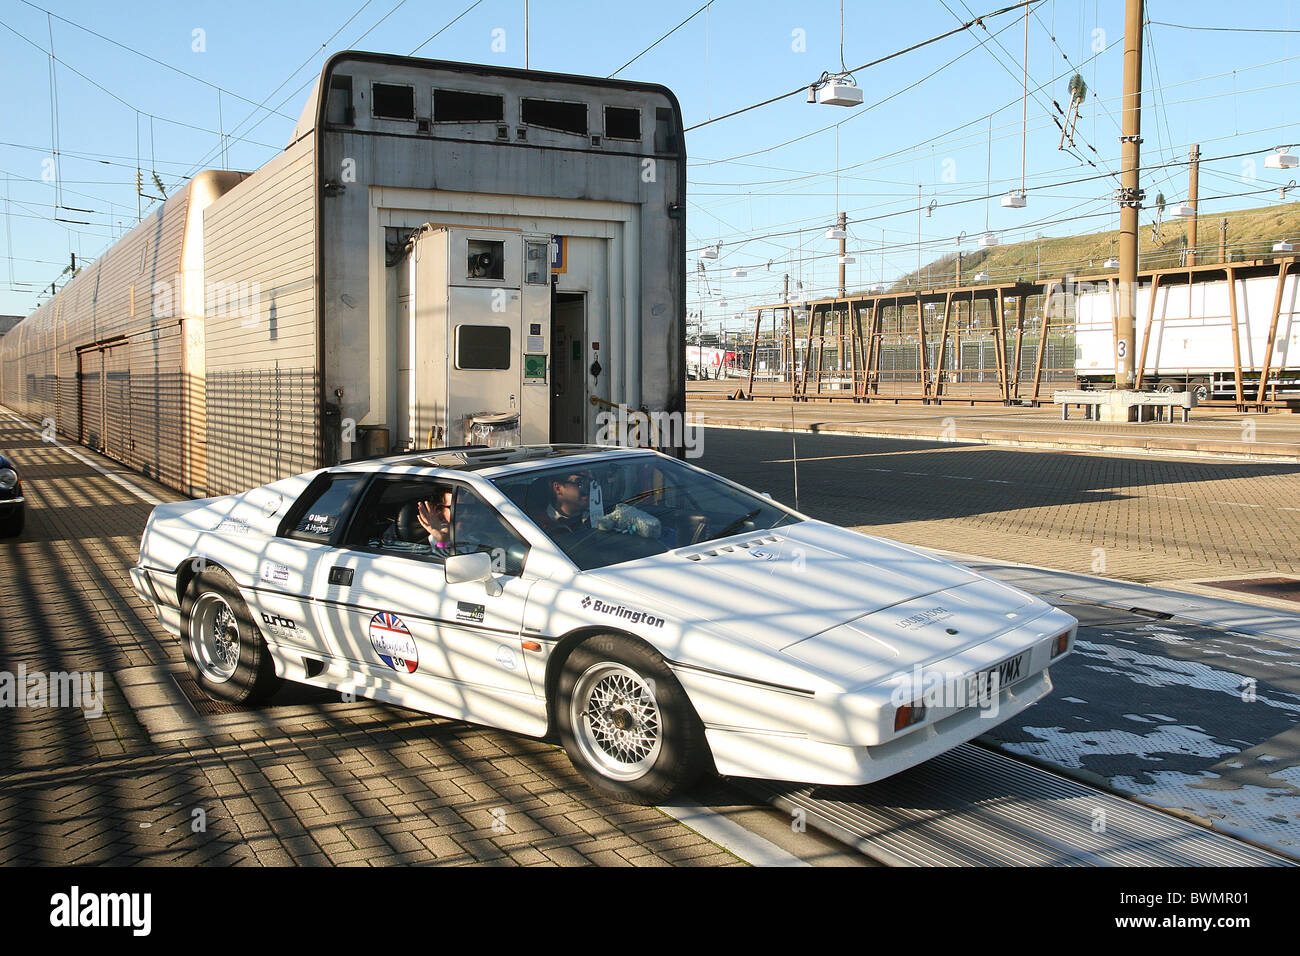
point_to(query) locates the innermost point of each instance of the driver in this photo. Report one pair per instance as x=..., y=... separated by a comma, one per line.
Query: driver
x=569, y=508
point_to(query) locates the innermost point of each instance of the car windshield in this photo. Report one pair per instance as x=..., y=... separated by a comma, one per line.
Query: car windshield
x=605, y=512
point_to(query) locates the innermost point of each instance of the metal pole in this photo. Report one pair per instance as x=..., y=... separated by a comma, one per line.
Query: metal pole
x=1236, y=333
x=1151, y=320
x=918, y=234
x=844, y=223
x=1272, y=329
x=1193, y=175
x=1130, y=198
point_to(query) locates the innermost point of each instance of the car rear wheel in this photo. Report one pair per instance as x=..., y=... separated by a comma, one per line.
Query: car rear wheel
x=224, y=650
x=626, y=723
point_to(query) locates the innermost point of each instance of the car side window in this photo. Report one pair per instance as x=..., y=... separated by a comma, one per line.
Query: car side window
x=477, y=526
x=317, y=514
x=404, y=516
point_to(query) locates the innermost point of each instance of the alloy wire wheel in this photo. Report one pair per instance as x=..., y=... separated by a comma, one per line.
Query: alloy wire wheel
x=214, y=638
x=616, y=719
x=626, y=722
x=224, y=650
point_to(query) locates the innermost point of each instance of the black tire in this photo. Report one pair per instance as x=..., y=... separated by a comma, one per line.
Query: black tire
x=12, y=526
x=1201, y=390
x=216, y=618
x=643, y=696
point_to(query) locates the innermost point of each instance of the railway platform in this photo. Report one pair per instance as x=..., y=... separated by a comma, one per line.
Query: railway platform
x=1212, y=432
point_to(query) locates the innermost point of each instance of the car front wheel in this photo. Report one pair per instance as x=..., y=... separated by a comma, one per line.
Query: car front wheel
x=626, y=723
x=224, y=650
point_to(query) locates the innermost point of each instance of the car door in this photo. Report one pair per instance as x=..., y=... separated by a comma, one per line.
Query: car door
x=290, y=563
x=455, y=648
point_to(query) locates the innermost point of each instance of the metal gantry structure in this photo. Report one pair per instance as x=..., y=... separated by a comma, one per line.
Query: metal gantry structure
x=931, y=346
x=852, y=346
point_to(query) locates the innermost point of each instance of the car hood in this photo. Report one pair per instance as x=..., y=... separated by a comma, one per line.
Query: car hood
x=776, y=588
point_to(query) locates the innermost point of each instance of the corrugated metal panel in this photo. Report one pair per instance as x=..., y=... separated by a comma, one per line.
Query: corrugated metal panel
x=90, y=385
x=260, y=325
x=117, y=401
x=158, y=394
x=68, y=415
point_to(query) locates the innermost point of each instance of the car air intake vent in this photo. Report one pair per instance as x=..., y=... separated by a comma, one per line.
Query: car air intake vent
x=743, y=546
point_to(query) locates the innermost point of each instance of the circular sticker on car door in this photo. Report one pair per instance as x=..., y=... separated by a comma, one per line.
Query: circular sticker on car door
x=393, y=643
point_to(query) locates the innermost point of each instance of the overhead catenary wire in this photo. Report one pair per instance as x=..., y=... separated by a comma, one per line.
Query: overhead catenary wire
x=151, y=59
x=876, y=62
x=702, y=8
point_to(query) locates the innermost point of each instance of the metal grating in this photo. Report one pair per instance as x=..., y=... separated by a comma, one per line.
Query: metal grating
x=974, y=807
x=201, y=702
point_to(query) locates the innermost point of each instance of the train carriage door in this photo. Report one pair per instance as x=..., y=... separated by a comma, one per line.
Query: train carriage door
x=569, y=368
x=117, y=401
x=90, y=368
x=592, y=333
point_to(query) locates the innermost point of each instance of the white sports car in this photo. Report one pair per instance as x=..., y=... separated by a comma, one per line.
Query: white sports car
x=659, y=619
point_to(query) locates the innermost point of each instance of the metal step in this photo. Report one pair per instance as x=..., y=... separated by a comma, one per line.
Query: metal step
x=975, y=807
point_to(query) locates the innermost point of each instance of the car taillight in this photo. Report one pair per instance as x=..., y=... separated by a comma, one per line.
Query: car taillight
x=907, y=715
x=1061, y=644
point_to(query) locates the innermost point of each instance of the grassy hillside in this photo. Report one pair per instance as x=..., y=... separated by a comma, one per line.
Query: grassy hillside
x=1251, y=234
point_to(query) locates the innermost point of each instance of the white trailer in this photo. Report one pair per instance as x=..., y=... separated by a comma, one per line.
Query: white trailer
x=1190, y=341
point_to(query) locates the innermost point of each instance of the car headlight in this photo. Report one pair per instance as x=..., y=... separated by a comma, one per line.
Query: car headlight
x=8, y=478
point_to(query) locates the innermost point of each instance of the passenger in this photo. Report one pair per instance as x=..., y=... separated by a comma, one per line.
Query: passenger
x=435, y=517
x=569, y=508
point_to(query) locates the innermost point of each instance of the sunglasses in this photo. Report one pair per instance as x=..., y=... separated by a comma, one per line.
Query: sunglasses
x=582, y=484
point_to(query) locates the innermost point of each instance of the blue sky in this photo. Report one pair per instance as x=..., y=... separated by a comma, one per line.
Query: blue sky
x=764, y=184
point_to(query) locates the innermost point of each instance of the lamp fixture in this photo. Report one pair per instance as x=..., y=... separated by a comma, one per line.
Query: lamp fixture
x=1281, y=158
x=835, y=89
x=1014, y=199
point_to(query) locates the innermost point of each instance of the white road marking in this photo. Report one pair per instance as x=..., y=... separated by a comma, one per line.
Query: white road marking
x=134, y=489
x=730, y=835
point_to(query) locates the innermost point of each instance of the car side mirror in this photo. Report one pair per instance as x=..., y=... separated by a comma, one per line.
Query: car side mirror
x=467, y=568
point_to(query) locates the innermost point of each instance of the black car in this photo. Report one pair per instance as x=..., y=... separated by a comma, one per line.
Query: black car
x=12, y=510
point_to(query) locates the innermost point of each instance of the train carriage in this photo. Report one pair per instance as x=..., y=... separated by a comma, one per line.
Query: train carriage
x=441, y=247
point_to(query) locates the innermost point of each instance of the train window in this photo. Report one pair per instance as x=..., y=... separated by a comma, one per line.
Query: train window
x=553, y=114
x=487, y=259
x=457, y=106
x=665, y=137
x=622, y=123
x=392, y=102
x=338, y=107
x=482, y=347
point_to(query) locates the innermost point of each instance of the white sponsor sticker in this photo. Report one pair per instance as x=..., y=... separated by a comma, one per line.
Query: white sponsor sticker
x=273, y=573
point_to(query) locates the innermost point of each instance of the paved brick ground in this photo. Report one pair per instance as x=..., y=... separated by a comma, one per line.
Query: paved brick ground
x=364, y=784
x=1141, y=519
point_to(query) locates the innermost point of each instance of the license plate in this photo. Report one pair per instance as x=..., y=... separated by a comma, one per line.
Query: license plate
x=1001, y=676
